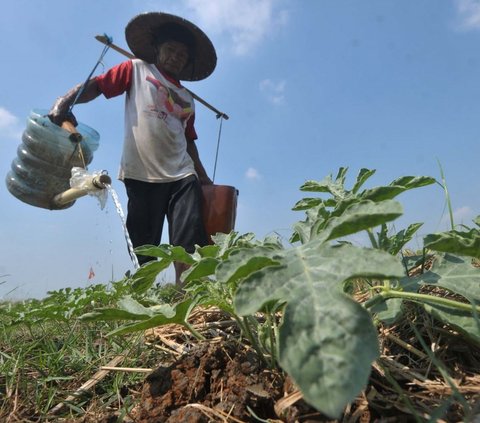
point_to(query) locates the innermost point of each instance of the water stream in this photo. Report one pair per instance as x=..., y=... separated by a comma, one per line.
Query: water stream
x=118, y=206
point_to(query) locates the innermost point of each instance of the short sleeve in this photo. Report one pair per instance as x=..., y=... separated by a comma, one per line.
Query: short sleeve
x=116, y=80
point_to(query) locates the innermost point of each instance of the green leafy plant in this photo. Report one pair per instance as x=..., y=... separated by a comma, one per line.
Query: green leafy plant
x=464, y=243
x=326, y=340
x=293, y=304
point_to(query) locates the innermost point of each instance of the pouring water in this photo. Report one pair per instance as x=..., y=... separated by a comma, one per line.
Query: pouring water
x=118, y=206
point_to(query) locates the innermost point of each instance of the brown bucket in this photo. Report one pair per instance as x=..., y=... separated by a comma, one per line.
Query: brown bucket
x=219, y=208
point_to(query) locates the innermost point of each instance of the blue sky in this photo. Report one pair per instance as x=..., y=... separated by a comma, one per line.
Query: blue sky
x=309, y=85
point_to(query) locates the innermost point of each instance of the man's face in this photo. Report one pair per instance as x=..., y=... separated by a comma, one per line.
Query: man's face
x=172, y=57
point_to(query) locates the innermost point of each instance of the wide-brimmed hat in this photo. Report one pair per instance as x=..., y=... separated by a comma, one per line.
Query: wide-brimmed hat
x=144, y=31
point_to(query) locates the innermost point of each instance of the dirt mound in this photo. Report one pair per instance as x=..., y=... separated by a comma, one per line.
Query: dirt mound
x=214, y=380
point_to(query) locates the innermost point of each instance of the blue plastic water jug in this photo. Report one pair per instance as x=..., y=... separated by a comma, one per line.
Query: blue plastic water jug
x=42, y=168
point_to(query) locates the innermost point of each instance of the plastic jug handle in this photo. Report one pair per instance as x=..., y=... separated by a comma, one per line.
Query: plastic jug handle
x=75, y=136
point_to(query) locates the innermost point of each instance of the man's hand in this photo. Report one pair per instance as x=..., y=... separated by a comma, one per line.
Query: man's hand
x=205, y=180
x=59, y=112
x=58, y=118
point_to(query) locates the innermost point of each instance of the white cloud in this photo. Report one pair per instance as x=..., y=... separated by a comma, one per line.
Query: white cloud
x=9, y=124
x=273, y=91
x=462, y=215
x=253, y=174
x=468, y=13
x=246, y=22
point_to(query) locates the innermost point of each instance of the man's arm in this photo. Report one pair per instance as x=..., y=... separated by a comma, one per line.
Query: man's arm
x=202, y=174
x=115, y=81
x=59, y=111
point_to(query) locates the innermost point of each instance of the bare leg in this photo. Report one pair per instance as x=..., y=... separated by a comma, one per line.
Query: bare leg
x=179, y=269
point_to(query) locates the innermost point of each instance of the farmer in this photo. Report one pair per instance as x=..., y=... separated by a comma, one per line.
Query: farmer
x=160, y=164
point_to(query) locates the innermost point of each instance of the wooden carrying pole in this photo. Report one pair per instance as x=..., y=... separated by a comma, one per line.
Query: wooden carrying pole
x=104, y=40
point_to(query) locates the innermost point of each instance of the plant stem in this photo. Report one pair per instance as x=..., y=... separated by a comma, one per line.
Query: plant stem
x=413, y=296
x=245, y=328
x=271, y=327
x=372, y=238
x=404, y=262
x=447, y=195
x=194, y=332
x=424, y=256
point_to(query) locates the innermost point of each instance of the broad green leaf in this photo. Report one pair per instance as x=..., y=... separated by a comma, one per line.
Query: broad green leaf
x=179, y=316
x=411, y=182
x=325, y=185
x=227, y=241
x=303, y=230
x=396, y=187
x=455, y=274
x=381, y=193
x=362, y=177
x=224, y=240
x=161, y=251
x=394, y=243
x=456, y=242
x=400, y=239
x=414, y=261
x=307, y=203
x=360, y=216
x=167, y=252
x=144, y=278
x=113, y=314
x=206, y=251
x=314, y=272
x=388, y=311
x=341, y=175
x=327, y=344
x=202, y=269
x=134, y=307
x=273, y=242
x=128, y=309
x=463, y=321
x=312, y=269
x=243, y=262
x=409, y=284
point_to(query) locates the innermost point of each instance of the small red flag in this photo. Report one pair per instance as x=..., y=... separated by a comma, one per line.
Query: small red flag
x=91, y=273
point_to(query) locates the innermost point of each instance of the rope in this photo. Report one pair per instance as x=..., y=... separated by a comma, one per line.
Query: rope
x=82, y=88
x=218, y=146
x=80, y=154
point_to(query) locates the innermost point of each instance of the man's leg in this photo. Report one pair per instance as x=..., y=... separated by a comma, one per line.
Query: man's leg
x=185, y=219
x=147, y=206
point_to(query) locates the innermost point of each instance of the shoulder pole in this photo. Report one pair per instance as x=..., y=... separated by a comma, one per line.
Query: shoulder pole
x=105, y=40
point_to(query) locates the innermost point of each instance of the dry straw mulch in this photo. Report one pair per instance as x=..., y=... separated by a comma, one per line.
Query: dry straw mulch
x=407, y=383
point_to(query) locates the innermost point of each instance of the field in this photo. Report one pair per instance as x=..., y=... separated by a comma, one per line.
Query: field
x=321, y=330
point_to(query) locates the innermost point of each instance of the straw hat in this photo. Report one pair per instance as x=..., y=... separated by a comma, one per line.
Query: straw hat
x=145, y=31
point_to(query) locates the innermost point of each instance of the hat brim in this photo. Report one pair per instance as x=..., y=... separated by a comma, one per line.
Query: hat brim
x=141, y=33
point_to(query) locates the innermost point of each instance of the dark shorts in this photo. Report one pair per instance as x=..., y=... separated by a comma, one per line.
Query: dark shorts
x=180, y=202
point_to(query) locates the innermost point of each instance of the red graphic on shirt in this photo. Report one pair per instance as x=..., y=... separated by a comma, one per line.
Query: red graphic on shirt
x=169, y=101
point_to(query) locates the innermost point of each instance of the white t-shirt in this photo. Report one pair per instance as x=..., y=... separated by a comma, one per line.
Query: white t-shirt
x=156, y=113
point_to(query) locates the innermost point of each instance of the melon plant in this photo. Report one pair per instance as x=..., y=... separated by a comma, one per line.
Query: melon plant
x=326, y=340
